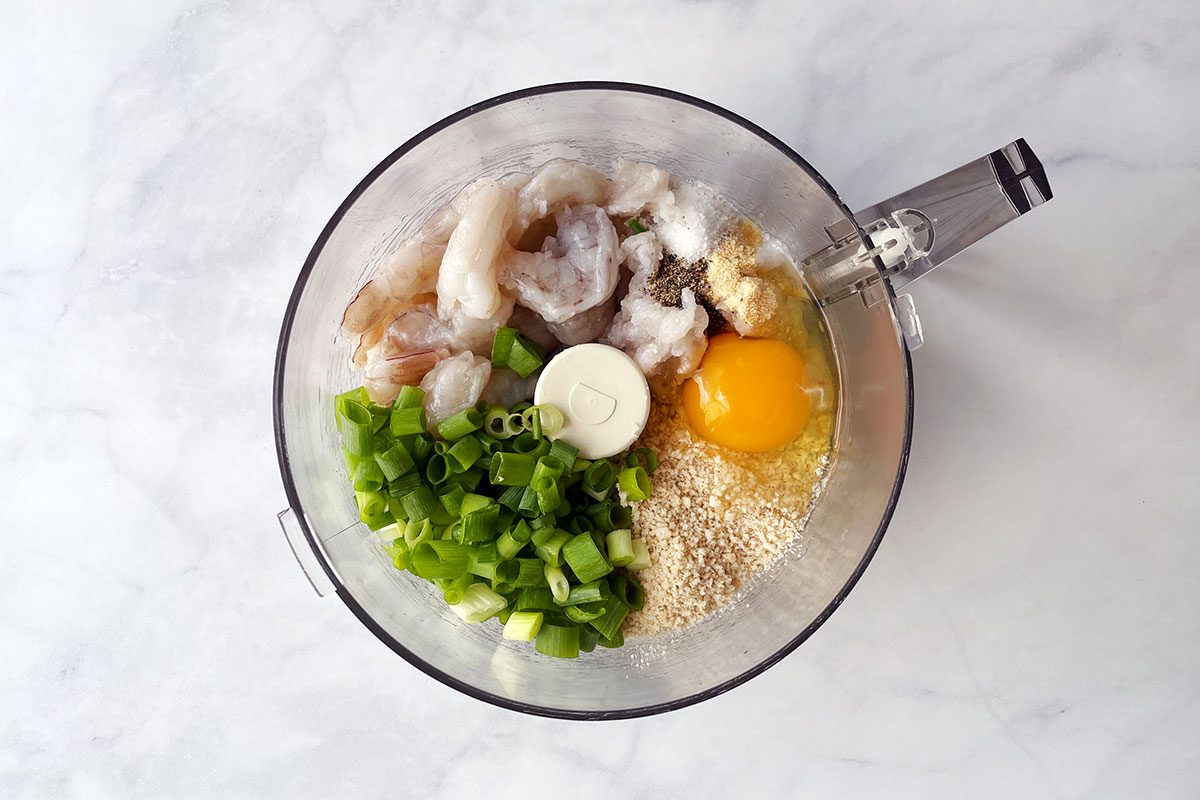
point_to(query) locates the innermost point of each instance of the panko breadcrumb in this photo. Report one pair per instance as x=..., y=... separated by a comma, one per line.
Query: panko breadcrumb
x=716, y=517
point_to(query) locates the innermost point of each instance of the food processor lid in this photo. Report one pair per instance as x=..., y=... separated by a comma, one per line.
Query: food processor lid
x=603, y=395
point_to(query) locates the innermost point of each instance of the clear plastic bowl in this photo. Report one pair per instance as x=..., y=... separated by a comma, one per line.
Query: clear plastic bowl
x=595, y=123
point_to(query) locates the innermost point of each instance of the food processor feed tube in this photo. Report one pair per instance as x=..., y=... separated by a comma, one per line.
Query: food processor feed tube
x=918, y=230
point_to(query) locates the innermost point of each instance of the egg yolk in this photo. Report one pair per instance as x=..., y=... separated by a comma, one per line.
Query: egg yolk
x=748, y=394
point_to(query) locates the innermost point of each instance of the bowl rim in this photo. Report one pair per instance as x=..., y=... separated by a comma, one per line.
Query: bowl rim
x=294, y=498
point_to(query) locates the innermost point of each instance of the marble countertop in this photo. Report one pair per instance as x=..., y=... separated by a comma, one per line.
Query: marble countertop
x=1030, y=626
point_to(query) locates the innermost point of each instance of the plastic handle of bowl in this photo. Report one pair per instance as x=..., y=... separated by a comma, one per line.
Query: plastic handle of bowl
x=918, y=230
x=305, y=557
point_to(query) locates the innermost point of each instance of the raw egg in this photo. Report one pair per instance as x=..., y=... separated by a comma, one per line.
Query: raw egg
x=748, y=394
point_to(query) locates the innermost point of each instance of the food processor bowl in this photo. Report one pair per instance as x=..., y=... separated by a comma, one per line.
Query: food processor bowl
x=768, y=182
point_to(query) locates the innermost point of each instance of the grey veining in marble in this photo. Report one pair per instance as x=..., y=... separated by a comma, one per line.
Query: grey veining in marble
x=1029, y=627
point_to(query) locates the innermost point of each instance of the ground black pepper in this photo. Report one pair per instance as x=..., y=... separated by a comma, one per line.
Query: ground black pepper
x=673, y=276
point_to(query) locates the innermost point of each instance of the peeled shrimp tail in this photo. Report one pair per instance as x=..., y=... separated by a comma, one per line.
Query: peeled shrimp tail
x=411, y=271
x=386, y=374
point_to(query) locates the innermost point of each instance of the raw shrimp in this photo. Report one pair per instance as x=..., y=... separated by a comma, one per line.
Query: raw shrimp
x=420, y=328
x=641, y=255
x=575, y=270
x=507, y=388
x=411, y=271
x=386, y=374
x=533, y=327
x=558, y=184
x=466, y=282
x=660, y=339
x=587, y=326
x=454, y=384
x=638, y=187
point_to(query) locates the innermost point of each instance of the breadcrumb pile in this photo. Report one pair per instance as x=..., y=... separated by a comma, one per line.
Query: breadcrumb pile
x=716, y=517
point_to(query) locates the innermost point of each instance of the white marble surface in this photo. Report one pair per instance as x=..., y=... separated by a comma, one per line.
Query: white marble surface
x=1030, y=627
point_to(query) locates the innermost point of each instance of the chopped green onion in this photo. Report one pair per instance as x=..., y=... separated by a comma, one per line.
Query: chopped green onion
x=474, y=502
x=452, y=592
x=420, y=503
x=371, y=504
x=452, y=495
x=357, y=434
x=517, y=408
x=551, y=550
x=619, y=544
x=635, y=595
x=614, y=614
x=635, y=483
x=351, y=461
x=642, y=457
x=513, y=425
x=578, y=525
x=502, y=346
x=410, y=397
x=523, y=626
x=400, y=553
x=635, y=226
x=525, y=357
x=395, y=461
x=463, y=454
x=548, y=495
x=404, y=484
x=377, y=521
x=459, y=425
x=504, y=579
x=439, y=559
x=543, y=521
x=559, y=641
x=481, y=525
x=470, y=479
x=437, y=469
x=588, y=638
x=506, y=546
x=641, y=556
x=495, y=422
x=552, y=421
x=358, y=395
x=534, y=599
x=591, y=592
x=368, y=477
x=562, y=453
x=527, y=443
x=417, y=532
x=531, y=572
x=406, y=421
x=379, y=417
x=598, y=479
x=511, y=497
x=522, y=532
x=511, y=469
x=616, y=640
x=479, y=603
x=585, y=612
x=618, y=585
x=483, y=559
x=585, y=558
x=529, y=503
x=532, y=420
x=503, y=614
x=420, y=446
x=546, y=467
